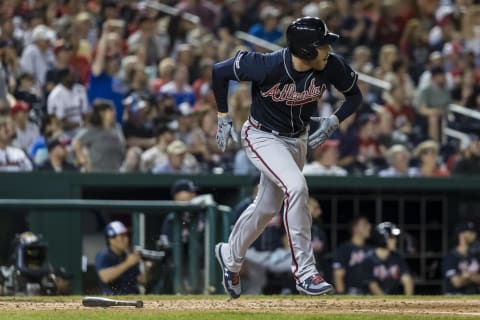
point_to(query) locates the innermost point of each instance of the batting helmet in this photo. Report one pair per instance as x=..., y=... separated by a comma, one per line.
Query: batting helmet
x=383, y=231
x=306, y=34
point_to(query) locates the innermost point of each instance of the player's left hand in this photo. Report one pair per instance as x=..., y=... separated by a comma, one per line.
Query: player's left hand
x=225, y=131
x=327, y=126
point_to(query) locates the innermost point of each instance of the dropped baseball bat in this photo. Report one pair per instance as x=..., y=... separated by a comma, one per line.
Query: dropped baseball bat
x=106, y=302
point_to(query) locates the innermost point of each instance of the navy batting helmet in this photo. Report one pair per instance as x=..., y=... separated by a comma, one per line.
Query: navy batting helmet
x=306, y=34
x=383, y=231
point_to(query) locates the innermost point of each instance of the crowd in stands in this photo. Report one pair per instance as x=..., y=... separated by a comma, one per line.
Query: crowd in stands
x=116, y=85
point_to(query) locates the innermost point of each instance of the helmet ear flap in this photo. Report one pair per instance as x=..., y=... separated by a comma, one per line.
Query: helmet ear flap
x=306, y=53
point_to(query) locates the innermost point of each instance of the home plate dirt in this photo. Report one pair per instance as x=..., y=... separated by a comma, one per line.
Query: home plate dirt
x=331, y=305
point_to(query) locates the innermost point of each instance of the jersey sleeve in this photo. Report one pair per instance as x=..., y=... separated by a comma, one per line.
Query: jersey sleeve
x=249, y=66
x=340, y=74
x=341, y=258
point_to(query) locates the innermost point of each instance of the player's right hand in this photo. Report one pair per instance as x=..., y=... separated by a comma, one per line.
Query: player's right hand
x=225, y=131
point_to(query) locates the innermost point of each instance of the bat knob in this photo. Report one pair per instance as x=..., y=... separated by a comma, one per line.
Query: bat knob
x=139, y=304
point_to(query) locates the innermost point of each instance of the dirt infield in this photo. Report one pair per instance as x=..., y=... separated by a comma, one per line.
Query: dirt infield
x=331, y=305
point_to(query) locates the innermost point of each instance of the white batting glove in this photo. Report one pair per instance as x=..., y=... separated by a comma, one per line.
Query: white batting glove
x=225, y=131
x=326, y=128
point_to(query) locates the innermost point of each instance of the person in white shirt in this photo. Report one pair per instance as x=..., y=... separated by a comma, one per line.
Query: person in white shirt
x=157, y=154
x=325, y=161
x=12, y=159
x=38, y=56
x=398, y=157
x=69, y=102
x=27, y=132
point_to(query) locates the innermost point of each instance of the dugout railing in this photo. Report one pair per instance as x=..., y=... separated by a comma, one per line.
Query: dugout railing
x=217, y=228
x=426, y=208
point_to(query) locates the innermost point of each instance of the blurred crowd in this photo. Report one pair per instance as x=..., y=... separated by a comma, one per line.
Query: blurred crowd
x=124, y=86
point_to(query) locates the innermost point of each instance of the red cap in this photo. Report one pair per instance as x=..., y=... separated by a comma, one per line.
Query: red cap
x=20, y=105
x=326, y=145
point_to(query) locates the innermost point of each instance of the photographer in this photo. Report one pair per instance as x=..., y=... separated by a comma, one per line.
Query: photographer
x=117, y=268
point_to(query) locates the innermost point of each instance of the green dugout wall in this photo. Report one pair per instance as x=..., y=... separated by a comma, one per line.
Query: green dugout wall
x=426, y=209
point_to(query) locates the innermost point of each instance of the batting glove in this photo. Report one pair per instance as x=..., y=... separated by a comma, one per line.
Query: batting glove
x=327, y=126
x=225, y=131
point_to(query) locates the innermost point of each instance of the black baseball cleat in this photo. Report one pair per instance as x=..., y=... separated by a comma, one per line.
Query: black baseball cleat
x=231, y=280
x=314, y=285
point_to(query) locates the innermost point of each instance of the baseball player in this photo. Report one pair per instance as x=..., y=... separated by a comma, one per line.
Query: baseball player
x=347, y=263
x=286, y=86
x=385, y=270
x=461, y=268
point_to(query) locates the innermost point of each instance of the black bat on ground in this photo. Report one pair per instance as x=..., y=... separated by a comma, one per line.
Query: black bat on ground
x=106, y=302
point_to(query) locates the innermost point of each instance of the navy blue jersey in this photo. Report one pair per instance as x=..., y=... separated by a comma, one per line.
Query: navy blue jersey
x=387, y=273
x=126, y=283
x=454, y=264
x=284, y=99
x=350, y=257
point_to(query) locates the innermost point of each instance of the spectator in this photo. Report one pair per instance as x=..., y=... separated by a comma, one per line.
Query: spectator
x=469, y=160
x=387, y=56
x=268, y=29
x=12, y=159
x=362, y=60
x=9, y=65
x=444, y=31
x=104, y=83
x=357, y=29
x=461, y=269
x=28, y=92
x=100, y=147
x=117, y=268
x=50, y=127
x=470, y=30
x=179, y=87
x=430, y=165
x=184, y=190
x=467, y=92
x=397, y=116
x=68, y=101
x=414, y=47
x=400, y=76
x=157, y=154
x=138, y=129
x=347, y=264
x=57, y=156
x=63, y=52
x=432, y=102
x=398, y=158
x=325, y=161
x=132, y=160
x=235, y=17
x=38, y=57
x=435, y=60
x=166, y=68
x=368, y=156
x=148, y=39
x=384, y=269
x=179, y=161
x=26, y=131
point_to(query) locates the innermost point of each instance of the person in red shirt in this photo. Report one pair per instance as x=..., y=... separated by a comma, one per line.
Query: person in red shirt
x=396, y=117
